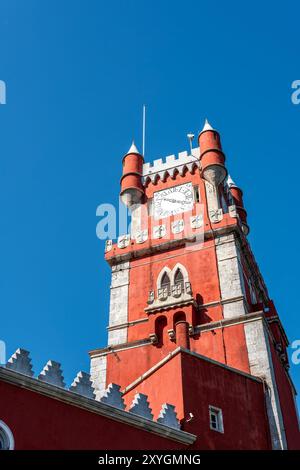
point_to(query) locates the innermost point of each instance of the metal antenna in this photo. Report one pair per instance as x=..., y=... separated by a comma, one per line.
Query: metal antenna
x=144, y=128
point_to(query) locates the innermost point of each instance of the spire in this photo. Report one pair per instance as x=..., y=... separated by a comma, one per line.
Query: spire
x=207, y=126
x=230, y=182
x=133, y=149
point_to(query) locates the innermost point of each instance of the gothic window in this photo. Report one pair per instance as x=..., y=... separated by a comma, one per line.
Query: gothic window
x=178, y=279
x=165, y=286
x=173, y=283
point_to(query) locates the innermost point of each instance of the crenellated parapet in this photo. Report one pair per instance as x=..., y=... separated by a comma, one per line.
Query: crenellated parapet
x=52, y=376
x=172, y=164
x=51, y=373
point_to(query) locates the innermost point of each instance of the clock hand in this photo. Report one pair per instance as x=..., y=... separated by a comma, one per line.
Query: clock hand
x=175, y=201
x=170, y=200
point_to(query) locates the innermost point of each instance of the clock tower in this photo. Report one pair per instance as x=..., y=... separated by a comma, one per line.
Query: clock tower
x=189, y=305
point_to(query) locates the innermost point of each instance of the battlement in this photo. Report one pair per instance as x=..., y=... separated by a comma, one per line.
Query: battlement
x=164, y=167
x=19, y=371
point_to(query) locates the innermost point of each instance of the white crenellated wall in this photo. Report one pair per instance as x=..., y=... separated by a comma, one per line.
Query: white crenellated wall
x=162, y=168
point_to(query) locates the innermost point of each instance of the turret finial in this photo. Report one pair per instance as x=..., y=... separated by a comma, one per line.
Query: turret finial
x=133, y=149
x=207, y=126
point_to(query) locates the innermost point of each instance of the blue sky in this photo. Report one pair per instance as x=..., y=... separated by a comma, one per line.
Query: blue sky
x=77, y=74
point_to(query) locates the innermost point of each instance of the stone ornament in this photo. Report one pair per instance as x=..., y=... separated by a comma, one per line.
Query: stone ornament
x=153, y=338
x=171, y=334
x=216, y=215
x=177, y=290
x=232, y=211
x=108, y=245
x=159, y=231
x=150, y=297
x=196, y=221
x=191, y=330
x=141, y=236
x=123, y=241
x=178, y=226
x=163, y=293
x=188, y=288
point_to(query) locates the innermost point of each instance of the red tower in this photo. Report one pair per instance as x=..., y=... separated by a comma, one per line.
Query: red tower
x=191, y=322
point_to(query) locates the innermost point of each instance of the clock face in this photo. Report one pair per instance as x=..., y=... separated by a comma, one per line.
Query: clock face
x=173, y=201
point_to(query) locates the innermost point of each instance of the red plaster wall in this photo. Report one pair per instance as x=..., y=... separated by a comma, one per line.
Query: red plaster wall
x=194, y=384
x=163, y=386
x=201, y=266
x=227, y=346
x=240, y=398
x=126, y=366
x=235, y=347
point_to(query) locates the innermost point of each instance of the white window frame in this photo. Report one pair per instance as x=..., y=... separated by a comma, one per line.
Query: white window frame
x=219, y=419
x=7, y=436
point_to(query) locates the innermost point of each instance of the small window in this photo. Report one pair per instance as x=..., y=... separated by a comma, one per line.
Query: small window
x=216, y=419
x=6, y=437
x=196, y=194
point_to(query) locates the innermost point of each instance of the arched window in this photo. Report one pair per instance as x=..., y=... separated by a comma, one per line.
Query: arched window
x=6, y=437
x=178, y=278
x=173, y=283
x=165, y=281
x=178, y=287
x=165, y=287
x=160, y=325
x=179, y=316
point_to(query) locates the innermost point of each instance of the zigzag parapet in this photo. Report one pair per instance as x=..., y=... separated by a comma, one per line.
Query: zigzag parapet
x=52, y=375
